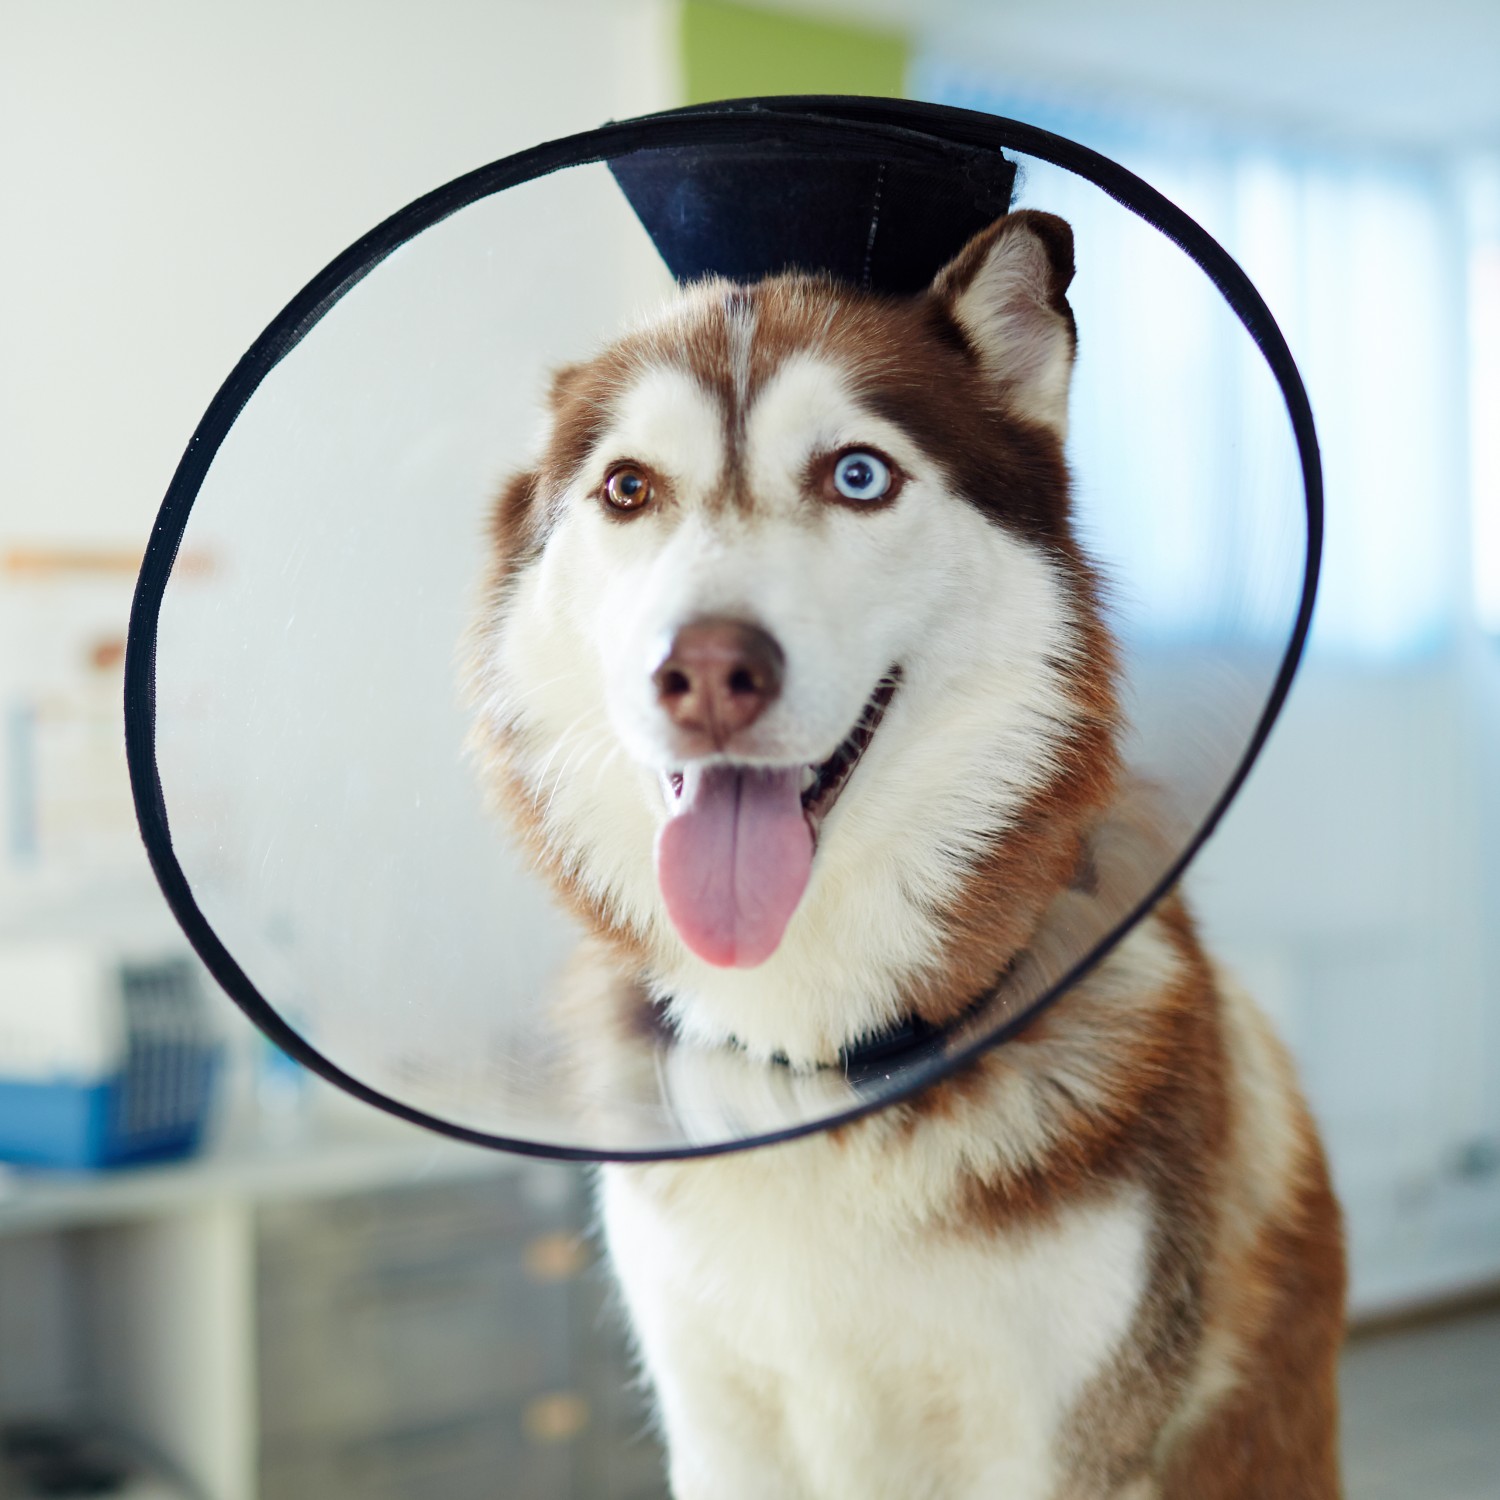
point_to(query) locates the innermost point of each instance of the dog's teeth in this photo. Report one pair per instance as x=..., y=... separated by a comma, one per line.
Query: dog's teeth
x=809, y=777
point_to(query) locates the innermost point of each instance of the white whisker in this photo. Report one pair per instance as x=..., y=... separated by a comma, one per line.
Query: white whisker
x=539, y=777
x=557, y=781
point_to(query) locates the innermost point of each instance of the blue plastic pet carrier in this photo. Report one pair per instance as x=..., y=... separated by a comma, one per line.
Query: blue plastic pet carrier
x=103, y=1062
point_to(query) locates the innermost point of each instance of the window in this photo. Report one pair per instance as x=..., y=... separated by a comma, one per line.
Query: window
x=1360, y=256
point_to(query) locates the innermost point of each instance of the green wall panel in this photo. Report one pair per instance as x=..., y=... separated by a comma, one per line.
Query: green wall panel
x=732, y=50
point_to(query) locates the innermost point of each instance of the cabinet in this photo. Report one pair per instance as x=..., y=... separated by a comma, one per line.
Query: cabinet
x=373, y=1313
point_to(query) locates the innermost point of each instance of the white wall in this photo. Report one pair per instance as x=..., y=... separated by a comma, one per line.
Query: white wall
x=174, y=171
x=1405, y=76
x=1352, y=888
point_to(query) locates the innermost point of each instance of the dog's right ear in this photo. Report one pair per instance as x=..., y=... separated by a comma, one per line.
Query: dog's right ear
x=574, y=419
x=565, y=380
x=1007, y=290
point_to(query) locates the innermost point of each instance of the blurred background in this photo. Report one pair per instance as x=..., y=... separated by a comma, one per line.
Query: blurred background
x=299, y=1299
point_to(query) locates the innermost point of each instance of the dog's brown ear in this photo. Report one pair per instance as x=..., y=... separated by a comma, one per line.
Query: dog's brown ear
x=1007, y=290
x=565, y=380
x=513, y=519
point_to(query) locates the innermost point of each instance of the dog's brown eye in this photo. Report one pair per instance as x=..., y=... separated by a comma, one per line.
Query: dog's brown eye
x=626, y=488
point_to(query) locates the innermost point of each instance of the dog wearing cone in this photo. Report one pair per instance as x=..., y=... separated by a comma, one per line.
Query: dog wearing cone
x=793, y=675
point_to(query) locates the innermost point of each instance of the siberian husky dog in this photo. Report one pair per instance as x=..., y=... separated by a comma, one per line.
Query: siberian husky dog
x=795, y=679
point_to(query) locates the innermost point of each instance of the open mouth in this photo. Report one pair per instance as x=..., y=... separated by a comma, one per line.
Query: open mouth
x=822, y=784
x=736, y=851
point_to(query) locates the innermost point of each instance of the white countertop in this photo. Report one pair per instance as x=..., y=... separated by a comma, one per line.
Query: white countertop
x=339, y=1153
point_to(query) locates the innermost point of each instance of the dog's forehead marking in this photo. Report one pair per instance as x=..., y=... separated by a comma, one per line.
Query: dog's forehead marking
x=740, y=322
x=733, y=393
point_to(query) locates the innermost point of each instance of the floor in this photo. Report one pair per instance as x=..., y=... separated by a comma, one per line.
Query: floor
x=1422, y=1412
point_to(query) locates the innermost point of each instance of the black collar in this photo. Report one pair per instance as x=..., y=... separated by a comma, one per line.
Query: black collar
x=883, y=1052
x=871, y=1056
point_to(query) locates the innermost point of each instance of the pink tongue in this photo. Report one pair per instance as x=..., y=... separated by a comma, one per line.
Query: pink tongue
x=733, y=861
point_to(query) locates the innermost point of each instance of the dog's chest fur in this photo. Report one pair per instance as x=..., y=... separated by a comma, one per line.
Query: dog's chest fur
x=967, y=1355
x=832, y=1318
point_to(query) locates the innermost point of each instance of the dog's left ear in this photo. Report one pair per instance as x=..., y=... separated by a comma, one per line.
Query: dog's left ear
x=1006, y=289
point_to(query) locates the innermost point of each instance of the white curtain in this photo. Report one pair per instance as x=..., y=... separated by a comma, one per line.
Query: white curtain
x=1479, y=177
x=1360, y=257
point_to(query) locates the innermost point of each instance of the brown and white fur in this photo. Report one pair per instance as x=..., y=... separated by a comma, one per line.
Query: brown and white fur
x=1105, y=1260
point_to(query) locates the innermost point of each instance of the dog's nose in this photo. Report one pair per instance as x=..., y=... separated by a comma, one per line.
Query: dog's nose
x=718, y=677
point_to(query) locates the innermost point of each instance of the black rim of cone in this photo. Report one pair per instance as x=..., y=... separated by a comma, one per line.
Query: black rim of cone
x=811, y=122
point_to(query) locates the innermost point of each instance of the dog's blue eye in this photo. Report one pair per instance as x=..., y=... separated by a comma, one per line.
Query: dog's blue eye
x=861, y=476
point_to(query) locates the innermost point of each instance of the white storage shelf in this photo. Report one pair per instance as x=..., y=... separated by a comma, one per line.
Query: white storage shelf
x=370, y=1312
